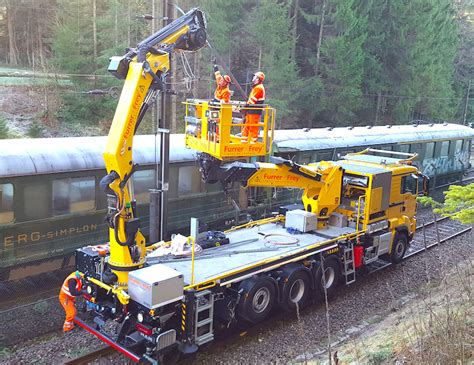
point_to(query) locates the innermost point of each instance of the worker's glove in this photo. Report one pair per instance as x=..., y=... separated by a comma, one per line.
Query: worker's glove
x=215, y=68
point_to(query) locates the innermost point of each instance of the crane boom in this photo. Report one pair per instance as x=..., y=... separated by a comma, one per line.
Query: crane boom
x=144, y=69
x=321, y=183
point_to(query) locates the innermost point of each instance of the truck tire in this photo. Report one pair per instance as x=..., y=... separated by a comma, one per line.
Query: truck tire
x=332, y=270
x=256, y=299
x=399, y=246
x=295, y=288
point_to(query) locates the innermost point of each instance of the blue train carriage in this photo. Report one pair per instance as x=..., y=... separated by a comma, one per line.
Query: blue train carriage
x=51, y=203
x=443, y=149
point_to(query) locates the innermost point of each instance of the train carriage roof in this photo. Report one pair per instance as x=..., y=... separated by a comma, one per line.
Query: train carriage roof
x=46, y=155
x=293, y=140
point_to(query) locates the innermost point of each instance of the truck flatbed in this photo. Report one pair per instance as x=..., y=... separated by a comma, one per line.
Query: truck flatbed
x=253, y=250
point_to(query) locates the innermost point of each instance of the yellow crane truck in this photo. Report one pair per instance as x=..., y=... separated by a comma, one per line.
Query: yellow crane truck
x=151, y=299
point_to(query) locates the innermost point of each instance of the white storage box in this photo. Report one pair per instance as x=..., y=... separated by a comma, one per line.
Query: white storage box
x=301, y=220
x=155, y=286
x=338, y=220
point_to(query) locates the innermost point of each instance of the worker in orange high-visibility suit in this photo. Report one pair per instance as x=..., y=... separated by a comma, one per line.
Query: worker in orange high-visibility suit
x=256, y=99
x=222, y=92
x=69, y=291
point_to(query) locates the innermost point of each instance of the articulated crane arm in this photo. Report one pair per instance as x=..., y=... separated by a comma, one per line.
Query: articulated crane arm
x=321, y=183
x=144, y=69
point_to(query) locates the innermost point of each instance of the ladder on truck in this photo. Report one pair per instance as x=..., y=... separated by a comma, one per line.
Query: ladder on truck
x=349, y=265
x=203, y=325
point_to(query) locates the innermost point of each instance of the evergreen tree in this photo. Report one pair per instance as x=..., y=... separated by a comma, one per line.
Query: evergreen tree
x=342, y=65
x=271, y=42
x=3, y=129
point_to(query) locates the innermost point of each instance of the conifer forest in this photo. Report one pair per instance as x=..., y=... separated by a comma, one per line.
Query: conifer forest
x=327, y=62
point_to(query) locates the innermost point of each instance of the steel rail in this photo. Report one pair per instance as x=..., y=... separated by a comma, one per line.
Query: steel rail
x=442, y=240
x=424, y=248
x=90, y=356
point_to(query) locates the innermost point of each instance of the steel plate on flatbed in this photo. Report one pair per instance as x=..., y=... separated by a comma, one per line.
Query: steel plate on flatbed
x=251, y=247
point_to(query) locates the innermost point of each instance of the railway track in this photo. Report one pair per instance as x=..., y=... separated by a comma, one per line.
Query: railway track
x=97, y=357
x=427, y=236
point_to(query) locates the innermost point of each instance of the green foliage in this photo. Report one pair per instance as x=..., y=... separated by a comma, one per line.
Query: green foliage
x=459, y=203
x=380, y=357
x=384, y=60
x=4, y=133
x=270, y=38
x=86, y=109
x=34, y=130
x=342, y=66
x=428, y=201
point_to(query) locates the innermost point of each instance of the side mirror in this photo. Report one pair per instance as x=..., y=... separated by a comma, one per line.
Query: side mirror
x=426, y=185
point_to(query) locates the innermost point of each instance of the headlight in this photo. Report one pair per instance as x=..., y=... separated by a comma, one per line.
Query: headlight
x=89, y=289
x=140, y=317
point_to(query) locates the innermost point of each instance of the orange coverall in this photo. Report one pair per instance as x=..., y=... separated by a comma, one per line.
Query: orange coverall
x=67, y=300
x=222, y=93
x=256, y=97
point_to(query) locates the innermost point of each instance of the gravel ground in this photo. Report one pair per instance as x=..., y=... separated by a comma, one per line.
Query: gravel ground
x=280, y=339
x=284, y=340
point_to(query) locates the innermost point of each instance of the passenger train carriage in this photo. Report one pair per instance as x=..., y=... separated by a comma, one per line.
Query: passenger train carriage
x=51, y=204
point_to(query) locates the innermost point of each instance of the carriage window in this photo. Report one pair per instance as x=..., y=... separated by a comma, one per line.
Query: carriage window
x=143, y=181
x=6, y=203
x=324, y=156
x=305, y=158
x=189, y=180
x=415, y=148
x=429, y=150
x=458, y=147
x=173, y=180
x=36, y=201
x=409, y=184
x=404, y=148
x=73, y=195
x=444, y=148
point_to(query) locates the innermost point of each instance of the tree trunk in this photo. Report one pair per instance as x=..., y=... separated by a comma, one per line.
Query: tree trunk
x=129, y=20
x=40, y=46
x=259, y=58
x=320, y=39
x=294, y=30
x=94, y=37
x=115, y=24
x=12, y=48
x=28, y=43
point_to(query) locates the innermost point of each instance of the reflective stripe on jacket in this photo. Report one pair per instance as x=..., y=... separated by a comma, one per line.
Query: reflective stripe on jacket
x=257, y=95
x=65, y=287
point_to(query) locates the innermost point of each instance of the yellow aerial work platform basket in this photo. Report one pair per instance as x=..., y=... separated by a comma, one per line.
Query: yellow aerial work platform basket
x=214, y=128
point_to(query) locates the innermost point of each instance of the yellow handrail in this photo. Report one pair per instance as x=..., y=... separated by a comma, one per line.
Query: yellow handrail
x=358, y=211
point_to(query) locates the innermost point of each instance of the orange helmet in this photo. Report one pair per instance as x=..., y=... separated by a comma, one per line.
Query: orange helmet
x=260, y=75
x=227, y=79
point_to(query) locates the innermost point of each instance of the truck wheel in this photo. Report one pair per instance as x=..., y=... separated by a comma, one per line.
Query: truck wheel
x=256, y=299
x=332, y=277
x=295, y=288
x=400, y=243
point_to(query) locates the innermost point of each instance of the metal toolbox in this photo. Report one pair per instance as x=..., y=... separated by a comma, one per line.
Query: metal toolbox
x=301, y=220
x=155, y=286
